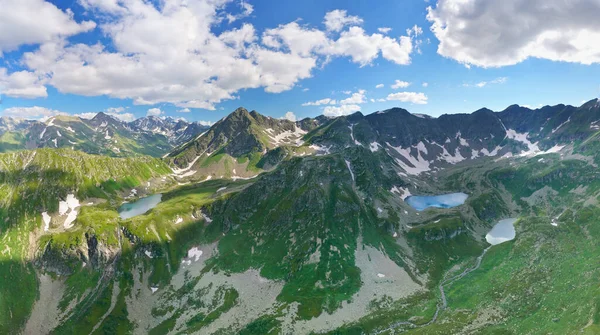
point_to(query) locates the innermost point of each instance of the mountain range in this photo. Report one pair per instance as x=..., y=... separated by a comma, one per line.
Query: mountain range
x=103, y=134
x=260, y=225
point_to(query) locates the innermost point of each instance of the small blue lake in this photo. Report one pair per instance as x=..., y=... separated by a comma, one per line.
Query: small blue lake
x=503, y=231
x=421, y=203
x=139, y=207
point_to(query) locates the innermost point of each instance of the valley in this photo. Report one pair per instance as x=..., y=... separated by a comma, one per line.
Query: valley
x=380, y=224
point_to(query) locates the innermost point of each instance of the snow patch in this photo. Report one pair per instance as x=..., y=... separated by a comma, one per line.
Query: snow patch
x=287, y=137
x=181, y=171
x=553, y=150
x=350, y=169
x=68, y=207
x=206, y=218
x=194, y=253
x=321, y=150
x=494, y=152
x=532, y=148
x=560, y=125
x=352, y=134
x=417, y=165
x=403, y=192
x=46, y=218
x=374, y=146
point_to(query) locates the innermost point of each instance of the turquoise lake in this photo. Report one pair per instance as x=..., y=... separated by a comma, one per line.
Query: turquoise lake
x=143, y=205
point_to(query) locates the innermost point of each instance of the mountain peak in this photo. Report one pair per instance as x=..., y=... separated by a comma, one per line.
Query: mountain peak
x=594, y=103
x=101, y=116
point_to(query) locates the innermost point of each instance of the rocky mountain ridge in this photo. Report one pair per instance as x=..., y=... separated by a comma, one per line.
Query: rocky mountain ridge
x=418, y=144
x=103, y=134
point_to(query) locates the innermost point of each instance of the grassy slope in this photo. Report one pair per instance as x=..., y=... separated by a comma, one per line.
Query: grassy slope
x=34, y=181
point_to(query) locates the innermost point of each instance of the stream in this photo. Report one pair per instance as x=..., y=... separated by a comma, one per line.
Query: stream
x=503, y=231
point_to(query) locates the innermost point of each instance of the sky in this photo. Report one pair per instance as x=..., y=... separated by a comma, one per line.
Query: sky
x=202, y=59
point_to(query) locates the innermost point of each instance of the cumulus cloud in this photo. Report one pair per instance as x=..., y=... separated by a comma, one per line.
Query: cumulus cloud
x=425, y=84
x=22, y=84
x=31, y=113
x=206, y=123
x=24, y=22
x=412, y=97
x=334, y=111
x=87, y=116
x=196, y=67
x=184, y=110
x=384, y=30
x=379, y=86
x=337, y=19
x=400, y=84
x=499, y=33
x=154, y=112
x=346, y=106
x=356, y=98
x=300, y=40
x=125, y=117
x=363, y=48
x=115, y=109
x=326, y=101
x=290, y=116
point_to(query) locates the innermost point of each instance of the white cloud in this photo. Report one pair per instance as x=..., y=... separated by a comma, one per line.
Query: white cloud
x=184, y=110
x=499, y=80
x=356, y=98
x=87, y=116
x=31, y=113
x=425, y=84
x=305, y=89
x=363, y=48
x=500, y=33
x=384, y=30
x=414, y=31
x=246, y=8
x=115, y=109
x=379, y=86
x=206, y=123
x=346, y=106
x=412, y=97
x=125, y=117
x=400, y=84
x=290, y=116
x=337, y=19
x=326, y=101
x=194, y=67
x=297, y=39
x=22, y=84
x=333, y=111
x=24, y=22
x=154, y=112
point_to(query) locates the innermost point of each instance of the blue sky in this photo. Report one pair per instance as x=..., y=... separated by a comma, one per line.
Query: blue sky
x=133, y=58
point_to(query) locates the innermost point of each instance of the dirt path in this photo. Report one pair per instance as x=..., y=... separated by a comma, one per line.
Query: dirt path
x=443, y=302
